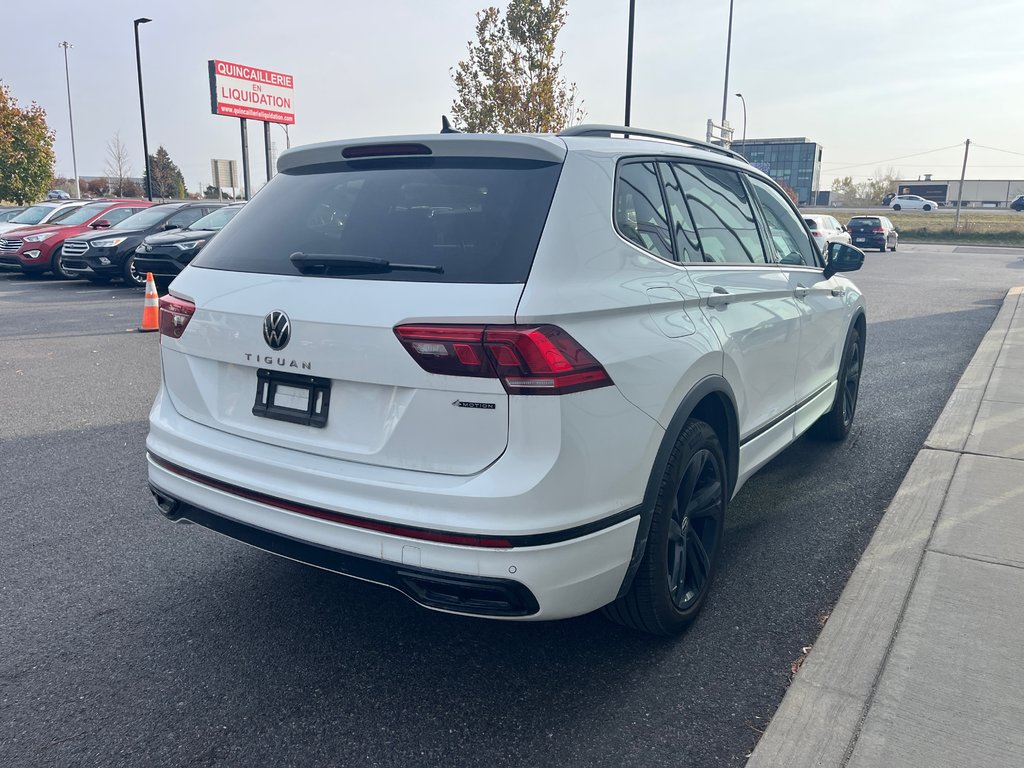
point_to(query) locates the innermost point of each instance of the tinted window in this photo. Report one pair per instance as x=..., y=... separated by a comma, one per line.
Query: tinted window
x=687, y=243
x=640, y=210
x=215, y=220
x=32, y=215
x=185, y=218
x=479, y=219
x=118, y=214
x=83, y=214
x=721, y=210
x=864, y=222
x=146, y=218
x=787, y=232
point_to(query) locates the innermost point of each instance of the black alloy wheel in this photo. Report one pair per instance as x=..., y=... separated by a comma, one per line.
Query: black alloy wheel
x=896, y=207
x=695, y=527
x=836, y=424
x=685, y=538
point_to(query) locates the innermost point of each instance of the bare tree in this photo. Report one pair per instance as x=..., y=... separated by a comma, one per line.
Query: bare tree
x=119, y=167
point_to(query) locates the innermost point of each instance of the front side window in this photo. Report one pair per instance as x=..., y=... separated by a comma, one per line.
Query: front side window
x=722, y=213
x=786, y=231
x=118, y=214
x=640, y=210
x=185, y=218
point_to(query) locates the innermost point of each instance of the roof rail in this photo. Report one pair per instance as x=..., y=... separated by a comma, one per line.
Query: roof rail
x=608, y=130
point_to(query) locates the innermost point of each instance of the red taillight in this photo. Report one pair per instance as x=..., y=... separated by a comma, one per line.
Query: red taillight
x=878, y=231
x=816, y=233
x=529, y=360
x=174, y=315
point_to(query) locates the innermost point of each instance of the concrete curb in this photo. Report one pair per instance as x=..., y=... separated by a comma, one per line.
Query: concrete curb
x=820, y=718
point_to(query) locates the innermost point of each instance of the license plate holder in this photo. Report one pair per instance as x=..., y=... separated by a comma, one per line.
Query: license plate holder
x=292, y=397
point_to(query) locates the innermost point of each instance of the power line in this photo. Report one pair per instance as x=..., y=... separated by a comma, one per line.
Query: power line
x=997, y=149
x=893, y=159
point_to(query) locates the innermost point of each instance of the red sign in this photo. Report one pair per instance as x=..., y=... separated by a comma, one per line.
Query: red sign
x=258, y=94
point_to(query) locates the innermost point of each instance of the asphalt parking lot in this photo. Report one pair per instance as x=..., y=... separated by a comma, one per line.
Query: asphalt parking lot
x=126, y=640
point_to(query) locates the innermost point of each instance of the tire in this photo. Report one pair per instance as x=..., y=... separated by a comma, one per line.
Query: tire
x=57, y=265
x=896, y=207
x=130, y=274
x=884, y=247
x=893, y=249
x=927, y=207
x=684, y=540
x=835, y=425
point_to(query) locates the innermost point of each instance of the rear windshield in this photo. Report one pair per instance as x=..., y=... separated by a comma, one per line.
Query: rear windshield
x=477, y=219
x=865, y=221
x=811, y=223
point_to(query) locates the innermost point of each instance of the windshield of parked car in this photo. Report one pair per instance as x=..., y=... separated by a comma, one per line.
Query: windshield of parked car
x=145, y=219
x=83, y=214
x=215, y=220
x=32, y=215
x=469, y=220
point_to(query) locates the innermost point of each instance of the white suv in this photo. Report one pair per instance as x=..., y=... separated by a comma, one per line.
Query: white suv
x=510, y=376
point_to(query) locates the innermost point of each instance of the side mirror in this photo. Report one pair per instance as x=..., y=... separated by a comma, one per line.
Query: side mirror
x=100, y=224
x=843, y=258
x=169, y=226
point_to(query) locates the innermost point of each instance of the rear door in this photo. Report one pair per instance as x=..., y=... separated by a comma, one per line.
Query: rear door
x=460, y=234
x=748, y=300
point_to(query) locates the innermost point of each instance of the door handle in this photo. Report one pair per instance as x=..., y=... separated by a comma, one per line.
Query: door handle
x=840, y=292
x=801, y=291
x=720, y=298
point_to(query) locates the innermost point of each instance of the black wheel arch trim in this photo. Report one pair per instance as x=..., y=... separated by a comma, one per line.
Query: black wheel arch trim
x=711, y=385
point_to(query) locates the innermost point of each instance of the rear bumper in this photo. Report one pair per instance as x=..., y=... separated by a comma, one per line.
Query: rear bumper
x=565, y=578
x=869, y=241
x=474, y=595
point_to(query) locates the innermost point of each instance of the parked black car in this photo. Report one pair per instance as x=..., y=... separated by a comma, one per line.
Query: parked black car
x=1017, y=203
x=165, y=254
x=873, y=232
x=101, y=256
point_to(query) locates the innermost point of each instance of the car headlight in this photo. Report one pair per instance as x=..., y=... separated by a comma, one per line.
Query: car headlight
x=109, y=242
x=188, y=245
x=40, y=237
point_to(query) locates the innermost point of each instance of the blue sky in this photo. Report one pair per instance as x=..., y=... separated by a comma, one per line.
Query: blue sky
x=871, y=81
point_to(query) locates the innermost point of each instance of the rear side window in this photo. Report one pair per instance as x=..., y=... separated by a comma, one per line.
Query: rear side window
x=478, y=219
x=722, y=212
x=640, y=210
x=687, y=242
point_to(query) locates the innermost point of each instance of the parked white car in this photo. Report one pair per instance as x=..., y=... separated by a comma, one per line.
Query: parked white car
x=912, y=203
x=509, y=376
x=48, y=212
x=825, y=230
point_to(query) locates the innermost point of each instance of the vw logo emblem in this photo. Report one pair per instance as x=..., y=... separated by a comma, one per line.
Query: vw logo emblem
x=277, y=329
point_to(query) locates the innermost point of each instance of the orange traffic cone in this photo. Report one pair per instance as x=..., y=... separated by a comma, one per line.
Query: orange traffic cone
x=151, y=309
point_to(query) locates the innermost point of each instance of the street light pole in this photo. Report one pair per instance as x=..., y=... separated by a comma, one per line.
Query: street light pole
x=744, y=102
x=728, y=53
x=142, y=108
x=71, y=119
x=629, y=61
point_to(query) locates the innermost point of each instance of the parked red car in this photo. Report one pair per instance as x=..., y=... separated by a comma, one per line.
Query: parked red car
x=37, y=249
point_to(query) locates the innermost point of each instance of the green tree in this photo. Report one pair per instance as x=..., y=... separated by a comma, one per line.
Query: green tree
x=168, y=180
x=868, y=192
x=512, y=82
x=26, y=150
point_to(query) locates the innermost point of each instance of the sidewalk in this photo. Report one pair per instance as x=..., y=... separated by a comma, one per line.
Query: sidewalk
x=922, y=661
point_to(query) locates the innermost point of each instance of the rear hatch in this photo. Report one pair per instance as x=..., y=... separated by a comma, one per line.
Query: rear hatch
x=293, y=339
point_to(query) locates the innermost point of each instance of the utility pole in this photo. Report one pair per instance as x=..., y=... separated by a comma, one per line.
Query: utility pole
x=71, y=118
x=960, y=192
x=728, y=53
x=142, y=109
x=629, y=62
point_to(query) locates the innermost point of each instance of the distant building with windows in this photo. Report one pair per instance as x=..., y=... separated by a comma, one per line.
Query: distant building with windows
x=795, y=162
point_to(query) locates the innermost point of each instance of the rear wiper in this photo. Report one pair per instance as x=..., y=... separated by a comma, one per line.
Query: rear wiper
x=324, y=263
